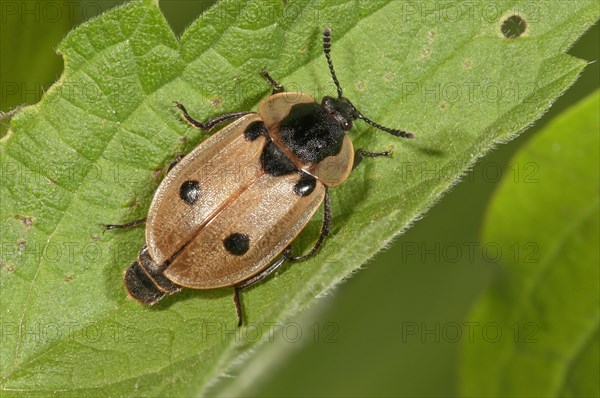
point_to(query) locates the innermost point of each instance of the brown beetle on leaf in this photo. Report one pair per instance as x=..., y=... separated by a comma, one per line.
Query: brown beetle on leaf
x=227, y=213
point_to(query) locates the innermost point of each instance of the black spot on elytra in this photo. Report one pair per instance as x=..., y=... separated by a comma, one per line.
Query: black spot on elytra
x=190, y=191
x=255, y=130
x=237, y=244
x=305, y=185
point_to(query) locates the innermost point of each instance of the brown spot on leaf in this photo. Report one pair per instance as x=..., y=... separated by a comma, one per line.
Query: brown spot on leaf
x=26, y=220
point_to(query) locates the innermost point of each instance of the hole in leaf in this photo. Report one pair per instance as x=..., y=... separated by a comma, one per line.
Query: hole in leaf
x=513, y=27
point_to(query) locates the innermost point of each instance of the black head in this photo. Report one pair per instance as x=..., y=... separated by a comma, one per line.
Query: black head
x=340, y=108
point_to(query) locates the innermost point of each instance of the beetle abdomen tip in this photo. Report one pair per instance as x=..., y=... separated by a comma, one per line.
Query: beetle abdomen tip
x=140, y=287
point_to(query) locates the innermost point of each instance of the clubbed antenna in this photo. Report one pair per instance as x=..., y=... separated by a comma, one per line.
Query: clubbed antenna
x=327, y=50
x=397, y=133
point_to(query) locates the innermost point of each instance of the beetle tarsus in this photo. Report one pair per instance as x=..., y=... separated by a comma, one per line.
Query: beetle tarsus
x=209, y=124
x=188, y=118
x=277, y=88
x=130, y=224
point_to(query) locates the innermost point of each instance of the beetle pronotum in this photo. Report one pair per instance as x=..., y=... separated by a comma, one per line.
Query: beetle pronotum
x=209, y=228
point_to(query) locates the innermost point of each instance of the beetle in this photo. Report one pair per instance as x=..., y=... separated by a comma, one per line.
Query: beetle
x=225, y=215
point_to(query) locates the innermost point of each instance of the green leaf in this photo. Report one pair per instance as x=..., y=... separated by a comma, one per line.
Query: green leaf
x=89, y=152
x=545, y=298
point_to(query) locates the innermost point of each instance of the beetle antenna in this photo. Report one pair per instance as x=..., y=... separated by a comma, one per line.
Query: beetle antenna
x=327, y=50
x=397, y=133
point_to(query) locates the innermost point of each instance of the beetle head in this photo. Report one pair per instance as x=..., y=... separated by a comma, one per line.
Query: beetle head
x=340, y=108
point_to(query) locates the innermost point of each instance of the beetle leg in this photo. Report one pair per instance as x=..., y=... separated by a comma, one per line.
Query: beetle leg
x=324, y=231
x=285, y=256
x=238, y=305
x=130, y=224
x=277, y=88
x=359, y=154
x=254, y=280
x=209, y=124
